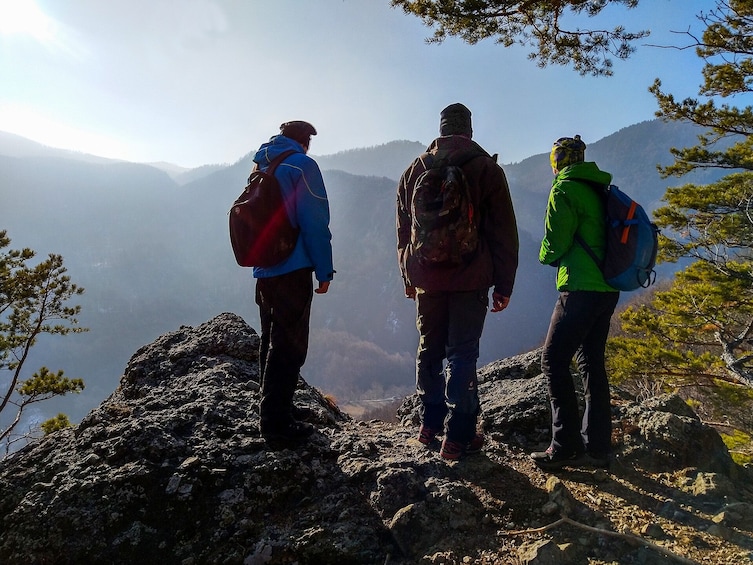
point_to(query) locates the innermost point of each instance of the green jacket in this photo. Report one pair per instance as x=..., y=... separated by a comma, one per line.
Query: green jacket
x=575, y=207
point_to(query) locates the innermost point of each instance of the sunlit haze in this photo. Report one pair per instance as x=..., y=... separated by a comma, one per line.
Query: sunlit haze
x=196, y=82
x=24, y=18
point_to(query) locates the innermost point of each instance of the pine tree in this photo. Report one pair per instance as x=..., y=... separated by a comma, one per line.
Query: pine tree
x=699, y=331
x=534, y=23
x=33, y=302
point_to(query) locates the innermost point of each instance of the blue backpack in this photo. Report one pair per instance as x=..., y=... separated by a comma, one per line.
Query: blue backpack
x=632, y=241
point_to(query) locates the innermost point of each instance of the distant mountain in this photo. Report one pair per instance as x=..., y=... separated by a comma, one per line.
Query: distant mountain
x=631, y=155
x=12, y=145
x=154, y=254
x=172, y=170
x=388, y=160
x=189, y=175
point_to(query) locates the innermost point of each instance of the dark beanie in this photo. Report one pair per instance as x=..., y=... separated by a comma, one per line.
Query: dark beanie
x=298, y=130
x=455, y=120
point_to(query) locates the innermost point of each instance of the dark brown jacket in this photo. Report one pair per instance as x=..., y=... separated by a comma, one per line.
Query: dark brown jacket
x=496, y=259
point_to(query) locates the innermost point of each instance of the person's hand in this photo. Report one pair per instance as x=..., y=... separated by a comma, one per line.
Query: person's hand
x=323, y=287
x=499, y=302
x=410, y=292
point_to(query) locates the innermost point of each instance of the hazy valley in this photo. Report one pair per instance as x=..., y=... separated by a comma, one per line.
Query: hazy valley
x=149, y=244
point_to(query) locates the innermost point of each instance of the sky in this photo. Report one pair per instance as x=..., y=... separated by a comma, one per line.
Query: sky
x=195, y=82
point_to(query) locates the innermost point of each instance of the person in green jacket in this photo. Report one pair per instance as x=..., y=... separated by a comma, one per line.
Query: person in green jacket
x=582, y=313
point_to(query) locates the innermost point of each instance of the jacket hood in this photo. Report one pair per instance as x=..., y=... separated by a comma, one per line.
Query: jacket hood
x=274, y=147
x=586, y=170
x=452, y=143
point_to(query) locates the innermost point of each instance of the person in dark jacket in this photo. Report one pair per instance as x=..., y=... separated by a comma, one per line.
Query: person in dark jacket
x=284, y=291
x=582, y=313
x=451, y=301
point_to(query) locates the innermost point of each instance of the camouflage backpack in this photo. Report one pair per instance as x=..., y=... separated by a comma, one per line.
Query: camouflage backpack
x=444, y=228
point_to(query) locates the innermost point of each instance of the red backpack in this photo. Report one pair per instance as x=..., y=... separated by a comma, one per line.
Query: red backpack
x=260, y=231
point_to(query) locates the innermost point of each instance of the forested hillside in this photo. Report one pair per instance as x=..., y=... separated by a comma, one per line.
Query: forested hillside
x=153, y=254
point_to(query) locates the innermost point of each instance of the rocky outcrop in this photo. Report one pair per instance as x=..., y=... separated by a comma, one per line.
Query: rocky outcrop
x=170, y=469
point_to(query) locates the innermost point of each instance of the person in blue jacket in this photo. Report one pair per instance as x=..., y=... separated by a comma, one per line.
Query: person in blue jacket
x=284, y=292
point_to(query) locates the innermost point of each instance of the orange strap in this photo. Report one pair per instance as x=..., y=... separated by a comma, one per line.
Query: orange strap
x=626, y=229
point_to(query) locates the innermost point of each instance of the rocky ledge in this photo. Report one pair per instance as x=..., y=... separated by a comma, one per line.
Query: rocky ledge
x=170, y=469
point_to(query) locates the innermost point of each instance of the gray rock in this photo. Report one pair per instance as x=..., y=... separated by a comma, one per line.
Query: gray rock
x=665, y=434
x=713, y=485
x=542, y=552
x=171, y=466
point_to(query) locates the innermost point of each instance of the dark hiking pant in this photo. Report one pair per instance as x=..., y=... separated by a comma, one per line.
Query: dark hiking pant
x=579, y=328
x=285, y=309
x=449, y=325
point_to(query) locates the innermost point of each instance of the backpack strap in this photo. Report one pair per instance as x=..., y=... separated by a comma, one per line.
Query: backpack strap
x=600, y=189
x=587, y=249
x=273, y=164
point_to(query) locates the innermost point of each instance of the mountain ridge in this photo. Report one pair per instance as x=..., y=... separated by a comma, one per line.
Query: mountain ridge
x=154, y=254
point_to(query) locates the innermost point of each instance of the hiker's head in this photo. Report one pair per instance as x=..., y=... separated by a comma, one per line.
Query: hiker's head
x=567, y=151
x=299, y=131
x=455, y=120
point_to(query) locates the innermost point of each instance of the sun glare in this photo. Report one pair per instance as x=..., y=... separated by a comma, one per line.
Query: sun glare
x=29, y=123
x=24, y=17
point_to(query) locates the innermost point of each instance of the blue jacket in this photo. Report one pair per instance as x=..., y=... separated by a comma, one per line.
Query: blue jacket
x=307, y=206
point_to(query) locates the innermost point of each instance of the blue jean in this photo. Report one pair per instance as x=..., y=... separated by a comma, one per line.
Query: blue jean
x=450, y=326
x=579, y=328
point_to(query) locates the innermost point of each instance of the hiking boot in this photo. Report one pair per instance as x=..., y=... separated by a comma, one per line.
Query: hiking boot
x=595, y=460
x=451, y=450
x=293, y=433
x=454, y=450
x=549, y=459
x=475, y=445
x=301, y=413
x=426, y=435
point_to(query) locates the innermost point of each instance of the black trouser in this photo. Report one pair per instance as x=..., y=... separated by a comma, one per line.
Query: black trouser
x=579, y=327
x=285, y=309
